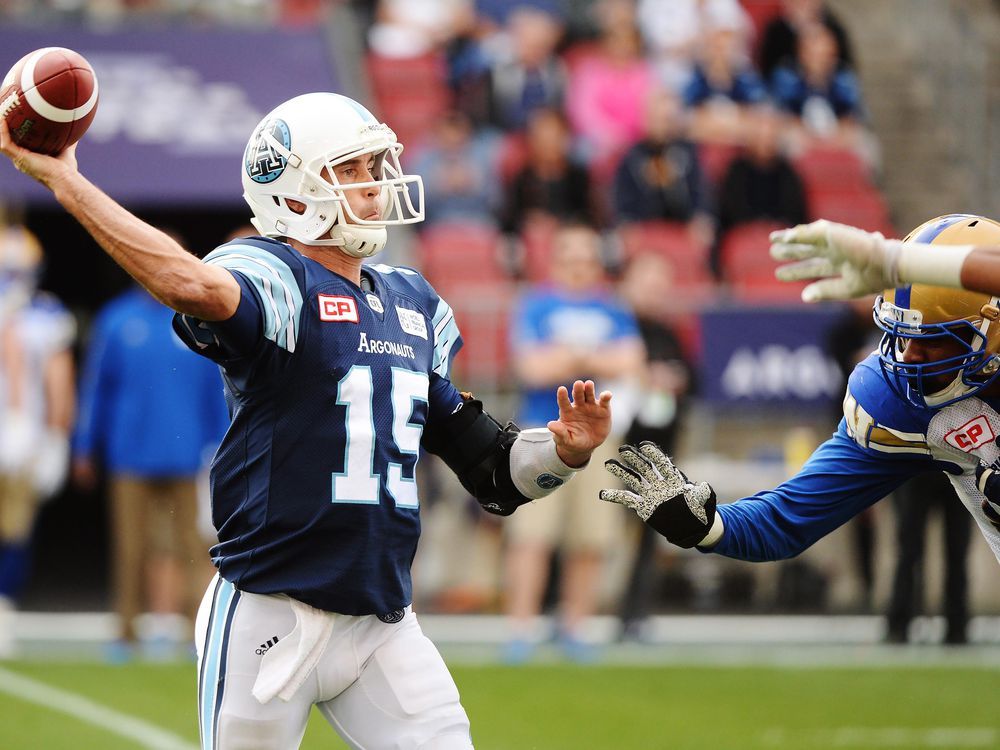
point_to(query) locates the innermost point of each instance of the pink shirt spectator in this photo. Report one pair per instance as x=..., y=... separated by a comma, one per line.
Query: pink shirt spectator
x=605, y=102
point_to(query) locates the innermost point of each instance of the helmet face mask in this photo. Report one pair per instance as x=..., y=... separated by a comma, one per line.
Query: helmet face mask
x=292, y=156
x=955, y=331
x=944, y=380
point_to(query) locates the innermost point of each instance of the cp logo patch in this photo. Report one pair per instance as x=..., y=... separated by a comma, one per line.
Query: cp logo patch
x=973, y=434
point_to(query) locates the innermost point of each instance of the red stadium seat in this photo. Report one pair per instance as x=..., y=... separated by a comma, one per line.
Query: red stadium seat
x=456, y=255
x=513, y=155
x=761, y=12
x=832, y=170
x=693, y=282
x=536, y=240
x=748, y=267
x=863, y=208
x=715, y=159
x=410, y=93
x=482, y=312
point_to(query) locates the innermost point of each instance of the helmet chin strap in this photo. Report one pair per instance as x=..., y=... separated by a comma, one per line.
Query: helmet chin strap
x=358, y=241
x=955, y=389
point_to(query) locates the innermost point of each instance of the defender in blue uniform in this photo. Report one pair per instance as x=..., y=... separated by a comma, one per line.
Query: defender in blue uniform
x=929, y=398
x=336, y=376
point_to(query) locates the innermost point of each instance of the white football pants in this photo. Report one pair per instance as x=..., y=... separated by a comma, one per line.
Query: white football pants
x=381, y=686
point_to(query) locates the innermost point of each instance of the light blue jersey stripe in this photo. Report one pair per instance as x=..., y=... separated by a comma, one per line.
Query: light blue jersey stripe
x=213, y=660
x=274, y=282
x=445, y=335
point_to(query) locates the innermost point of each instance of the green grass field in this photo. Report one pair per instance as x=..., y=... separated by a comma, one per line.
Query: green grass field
x=556, y=707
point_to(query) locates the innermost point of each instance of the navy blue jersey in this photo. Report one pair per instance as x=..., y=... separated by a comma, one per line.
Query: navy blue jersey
x=881, y=442
x=329, y=389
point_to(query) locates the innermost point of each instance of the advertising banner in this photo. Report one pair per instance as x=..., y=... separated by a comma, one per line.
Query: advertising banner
x=177, y=105
x=769, y=356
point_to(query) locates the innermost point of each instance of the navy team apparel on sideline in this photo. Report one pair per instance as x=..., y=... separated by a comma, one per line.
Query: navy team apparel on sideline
x=329, y=388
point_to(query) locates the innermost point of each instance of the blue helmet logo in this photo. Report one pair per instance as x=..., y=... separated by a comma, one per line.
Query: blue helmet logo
x=262, y=161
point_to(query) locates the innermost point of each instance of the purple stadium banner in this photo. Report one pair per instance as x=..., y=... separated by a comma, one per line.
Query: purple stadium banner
x=769, y=356
x=177, y=105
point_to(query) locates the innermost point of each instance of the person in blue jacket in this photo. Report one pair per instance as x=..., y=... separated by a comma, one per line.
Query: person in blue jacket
x=927, y=399
x=151, y=414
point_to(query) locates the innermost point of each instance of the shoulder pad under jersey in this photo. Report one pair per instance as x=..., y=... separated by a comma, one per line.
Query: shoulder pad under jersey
x=878, y=419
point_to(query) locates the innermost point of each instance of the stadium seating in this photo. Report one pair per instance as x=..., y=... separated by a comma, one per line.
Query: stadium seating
x=748, y=267
x=863, y=208
x=832, y=170
x=715, y=159
x=462, y=261
x=411, y=93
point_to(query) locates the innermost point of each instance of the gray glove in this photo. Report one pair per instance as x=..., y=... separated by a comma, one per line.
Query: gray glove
x=661, y=495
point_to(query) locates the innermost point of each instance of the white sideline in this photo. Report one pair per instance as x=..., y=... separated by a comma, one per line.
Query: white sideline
x=72, y=704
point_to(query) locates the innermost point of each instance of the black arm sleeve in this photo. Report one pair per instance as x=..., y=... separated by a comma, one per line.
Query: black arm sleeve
x=477, y=449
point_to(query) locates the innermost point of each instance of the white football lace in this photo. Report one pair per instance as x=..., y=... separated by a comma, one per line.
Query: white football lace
x=8, y=104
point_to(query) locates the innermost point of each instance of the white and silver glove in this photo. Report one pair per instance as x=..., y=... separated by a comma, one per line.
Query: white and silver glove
x=679, y=510
x=848, y=262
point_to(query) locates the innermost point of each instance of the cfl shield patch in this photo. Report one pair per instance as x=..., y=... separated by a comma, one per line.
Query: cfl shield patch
x=973, y=434
x=337, y=309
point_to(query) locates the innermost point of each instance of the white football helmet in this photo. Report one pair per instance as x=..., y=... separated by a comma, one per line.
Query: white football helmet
x=291, y=155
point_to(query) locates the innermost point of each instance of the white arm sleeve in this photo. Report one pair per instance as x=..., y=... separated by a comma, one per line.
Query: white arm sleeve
x=535, y=467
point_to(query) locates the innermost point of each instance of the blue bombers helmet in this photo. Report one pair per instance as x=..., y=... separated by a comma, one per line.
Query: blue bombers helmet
x=965, y=322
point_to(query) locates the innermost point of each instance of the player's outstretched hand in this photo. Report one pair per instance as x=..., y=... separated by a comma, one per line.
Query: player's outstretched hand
x=583, y=424
x=661, y=495
x=846, y=261
x=46, y=169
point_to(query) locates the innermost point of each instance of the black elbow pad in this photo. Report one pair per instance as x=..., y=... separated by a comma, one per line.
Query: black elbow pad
x=477, y=449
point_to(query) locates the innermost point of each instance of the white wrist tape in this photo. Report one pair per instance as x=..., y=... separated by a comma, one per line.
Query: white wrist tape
x=535, y=467
x=939, y=265
x=715, y=533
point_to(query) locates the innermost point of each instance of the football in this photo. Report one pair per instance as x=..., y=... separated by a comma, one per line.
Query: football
x=49, y=99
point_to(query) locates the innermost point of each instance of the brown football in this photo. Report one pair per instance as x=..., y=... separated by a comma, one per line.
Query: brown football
x=49, y=99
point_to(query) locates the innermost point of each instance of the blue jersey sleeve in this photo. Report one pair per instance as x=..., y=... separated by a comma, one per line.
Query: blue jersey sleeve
x=839, y=481
x=270, y=306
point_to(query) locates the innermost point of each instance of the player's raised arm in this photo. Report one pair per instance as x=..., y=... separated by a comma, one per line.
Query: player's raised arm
x=170, y=273
x=846, y=262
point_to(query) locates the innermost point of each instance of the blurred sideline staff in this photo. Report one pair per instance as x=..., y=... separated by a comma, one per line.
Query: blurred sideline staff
x=37, y=405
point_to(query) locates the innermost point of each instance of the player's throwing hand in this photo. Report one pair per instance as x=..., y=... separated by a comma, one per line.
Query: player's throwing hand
x=583, y=424
x=661, y=495
x=45, y=169
x=846, y=261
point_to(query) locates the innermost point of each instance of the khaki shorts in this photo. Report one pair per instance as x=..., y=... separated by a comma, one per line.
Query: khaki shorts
x=573, y=517
x=18, y=504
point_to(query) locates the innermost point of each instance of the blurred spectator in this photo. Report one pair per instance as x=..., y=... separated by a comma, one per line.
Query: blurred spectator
x=411, y=28
x=761, y=183
x=674, y=29
x=458, y=167
x=914, y=502
x=665, y=382
x=573, y=329
x=825, y=97
x=609, y=83
x=549, y=185
x=779, y=39
x=151, y=414
x=37, y=404
x=528, y=74
x=660, y=176
x=722, y=85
